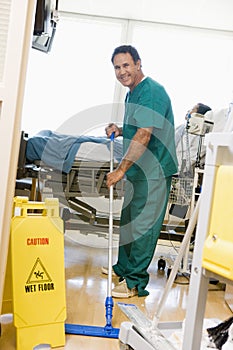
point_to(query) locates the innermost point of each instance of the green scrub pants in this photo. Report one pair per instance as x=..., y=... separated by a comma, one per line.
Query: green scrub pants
x=142, y=216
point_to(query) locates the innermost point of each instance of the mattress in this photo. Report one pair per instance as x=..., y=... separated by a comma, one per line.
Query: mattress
x=99, y=152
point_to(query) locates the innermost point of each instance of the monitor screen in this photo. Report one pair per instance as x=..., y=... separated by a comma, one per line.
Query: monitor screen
x=46, y=18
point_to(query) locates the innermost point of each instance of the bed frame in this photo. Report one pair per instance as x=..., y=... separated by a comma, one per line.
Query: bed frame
x=85, y=179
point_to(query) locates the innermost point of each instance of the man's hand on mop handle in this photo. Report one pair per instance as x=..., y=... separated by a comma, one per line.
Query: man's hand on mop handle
x=113, y=128
x=115, y=176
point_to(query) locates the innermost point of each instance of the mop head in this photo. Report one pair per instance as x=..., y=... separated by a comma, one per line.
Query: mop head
x=92, y=331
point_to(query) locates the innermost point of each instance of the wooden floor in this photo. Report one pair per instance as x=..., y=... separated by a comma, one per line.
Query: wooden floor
x=86, y=290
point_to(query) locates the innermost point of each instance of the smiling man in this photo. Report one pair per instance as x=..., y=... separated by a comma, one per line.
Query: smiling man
x=149, y=161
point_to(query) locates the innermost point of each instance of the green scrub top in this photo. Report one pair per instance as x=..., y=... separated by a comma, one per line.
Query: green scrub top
x=149, y=105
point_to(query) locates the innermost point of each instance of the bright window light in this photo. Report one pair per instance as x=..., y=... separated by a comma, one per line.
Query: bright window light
x=75, y=76
x=194, y=65
x=76, y=79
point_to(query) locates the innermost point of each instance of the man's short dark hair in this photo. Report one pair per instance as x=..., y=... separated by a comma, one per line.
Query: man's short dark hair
x=126, y=49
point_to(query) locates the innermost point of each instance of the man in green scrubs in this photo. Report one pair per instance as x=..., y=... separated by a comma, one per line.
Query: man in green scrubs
x=149, y=161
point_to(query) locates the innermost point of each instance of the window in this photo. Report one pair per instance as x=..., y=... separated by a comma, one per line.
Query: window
x=194, y=65
x=76, y=79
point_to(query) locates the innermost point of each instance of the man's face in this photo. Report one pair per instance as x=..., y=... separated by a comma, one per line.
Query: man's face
x=127, y=72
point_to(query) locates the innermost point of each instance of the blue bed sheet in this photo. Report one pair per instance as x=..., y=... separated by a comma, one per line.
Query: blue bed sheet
x=59, y=150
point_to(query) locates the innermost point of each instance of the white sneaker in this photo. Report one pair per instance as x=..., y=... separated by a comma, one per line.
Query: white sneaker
x=104, y=270
x=122, y=291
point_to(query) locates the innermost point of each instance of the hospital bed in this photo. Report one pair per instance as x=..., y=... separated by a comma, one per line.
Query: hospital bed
x=73, y=169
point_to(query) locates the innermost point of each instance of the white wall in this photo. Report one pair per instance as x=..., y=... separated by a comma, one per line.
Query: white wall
x=216, y=14
x=15, y=23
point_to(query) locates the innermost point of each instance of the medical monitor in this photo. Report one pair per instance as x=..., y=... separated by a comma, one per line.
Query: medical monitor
x=46, y=18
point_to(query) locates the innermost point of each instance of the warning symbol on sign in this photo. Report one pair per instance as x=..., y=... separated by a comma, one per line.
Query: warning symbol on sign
x=38, y=274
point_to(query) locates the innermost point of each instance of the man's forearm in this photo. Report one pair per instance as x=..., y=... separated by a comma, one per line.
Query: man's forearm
x=136, y=148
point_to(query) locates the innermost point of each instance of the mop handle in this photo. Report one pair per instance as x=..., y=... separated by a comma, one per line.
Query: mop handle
x=110, y=221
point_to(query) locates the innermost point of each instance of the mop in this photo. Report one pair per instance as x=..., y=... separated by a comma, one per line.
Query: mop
x=108, y=331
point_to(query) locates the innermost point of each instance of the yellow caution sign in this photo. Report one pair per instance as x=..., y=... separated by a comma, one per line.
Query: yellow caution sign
x=218, y=247
x=38, y=274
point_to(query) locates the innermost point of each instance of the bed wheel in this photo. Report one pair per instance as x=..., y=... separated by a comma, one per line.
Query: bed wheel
x=66, y=215
x=161, y=263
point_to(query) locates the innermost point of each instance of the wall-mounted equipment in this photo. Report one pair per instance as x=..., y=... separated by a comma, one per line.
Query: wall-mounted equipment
x=46, y=19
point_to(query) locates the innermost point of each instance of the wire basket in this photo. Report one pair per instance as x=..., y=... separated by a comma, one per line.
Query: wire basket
x=181, y=190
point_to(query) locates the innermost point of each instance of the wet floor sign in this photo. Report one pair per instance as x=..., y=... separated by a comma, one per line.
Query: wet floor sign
x=38, y=275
